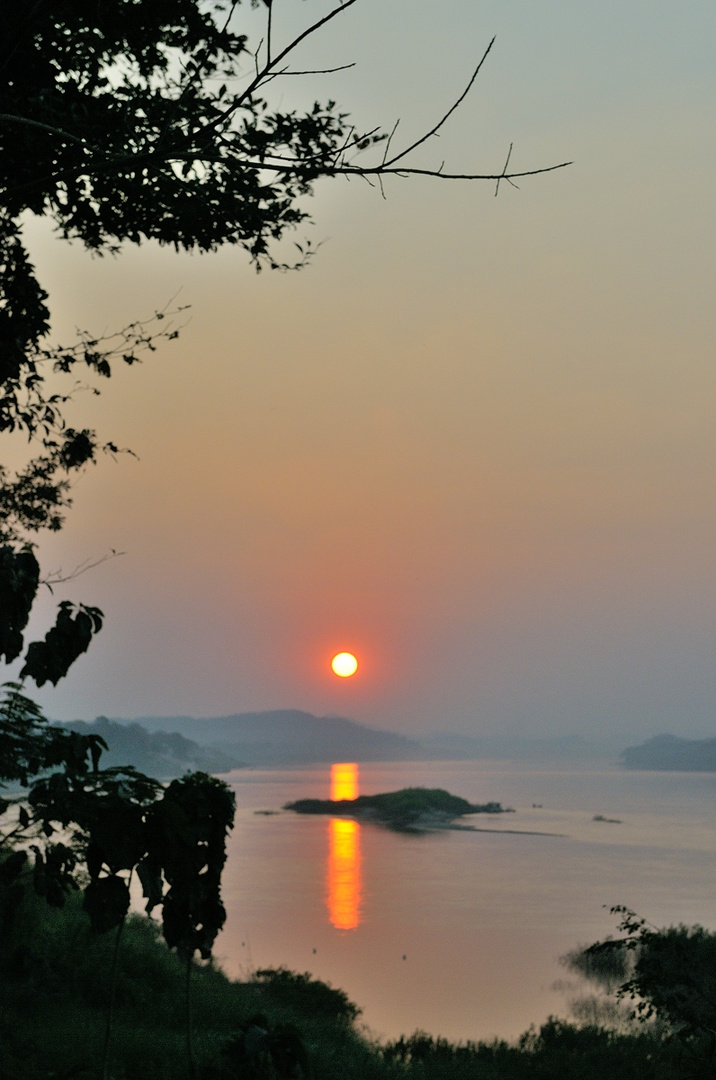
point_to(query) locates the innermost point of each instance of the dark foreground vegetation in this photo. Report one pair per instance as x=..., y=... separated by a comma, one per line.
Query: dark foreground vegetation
x=60, y=979
x=407, y=810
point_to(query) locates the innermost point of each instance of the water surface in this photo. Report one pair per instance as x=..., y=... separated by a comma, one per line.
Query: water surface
x=460, y=933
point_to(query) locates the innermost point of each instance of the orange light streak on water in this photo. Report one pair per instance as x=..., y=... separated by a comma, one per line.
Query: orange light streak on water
x=344, y=780
x=344, y=876
x=344, y=861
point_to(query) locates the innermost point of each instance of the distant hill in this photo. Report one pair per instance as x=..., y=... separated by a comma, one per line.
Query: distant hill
x=670, y=752
x=287, y=737
x=451, y=746
x=161, y=754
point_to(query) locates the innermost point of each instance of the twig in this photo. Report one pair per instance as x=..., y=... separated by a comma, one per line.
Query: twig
x=230, y=16
x=58, y=578
x=504, y=175
x=315, y=71
x=451, y=110
x=260, y=75
x=269, y=23
x=390, y=139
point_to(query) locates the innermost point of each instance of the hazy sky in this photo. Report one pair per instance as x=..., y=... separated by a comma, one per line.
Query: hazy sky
x=473, y=442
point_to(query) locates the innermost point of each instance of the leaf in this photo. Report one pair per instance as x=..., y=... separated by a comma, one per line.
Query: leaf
x=19, y=578
x=150, y=874
x=50, y=660
x=106, y=901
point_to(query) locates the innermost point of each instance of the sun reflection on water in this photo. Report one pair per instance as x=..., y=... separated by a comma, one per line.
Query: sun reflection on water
x=344, y=862
x=344, y=780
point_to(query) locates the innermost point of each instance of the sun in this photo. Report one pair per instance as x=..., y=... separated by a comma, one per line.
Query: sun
x=344, y=664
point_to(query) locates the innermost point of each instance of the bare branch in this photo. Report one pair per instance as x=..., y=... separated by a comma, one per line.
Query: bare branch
x=256, y=56
x=229, y=17
x=268, y=32
x=314, y=71
x=390, y=139
x=407, y=171
x=434, y=130
x=348, y=141
x=56, y=577
x=261, y=75
x=504, y=175
x=209, y=144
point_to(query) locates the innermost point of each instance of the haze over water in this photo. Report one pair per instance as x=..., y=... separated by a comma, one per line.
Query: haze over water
x=459, y=933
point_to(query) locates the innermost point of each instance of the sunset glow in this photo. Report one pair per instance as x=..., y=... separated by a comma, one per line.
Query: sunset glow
x=344, y=664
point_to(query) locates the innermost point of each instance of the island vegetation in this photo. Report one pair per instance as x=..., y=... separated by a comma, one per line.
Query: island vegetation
x=408, y=810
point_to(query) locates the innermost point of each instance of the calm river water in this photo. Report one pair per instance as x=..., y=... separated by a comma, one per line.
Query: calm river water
x=460, y=933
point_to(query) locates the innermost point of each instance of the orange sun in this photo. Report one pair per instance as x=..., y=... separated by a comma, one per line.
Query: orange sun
x=344, y=664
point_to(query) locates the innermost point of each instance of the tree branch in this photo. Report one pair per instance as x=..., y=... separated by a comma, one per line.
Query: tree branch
x=314, y=71
x=451, y=110
x=201, y=143
x=261, y=75
x=58, y=578
x=27, y=122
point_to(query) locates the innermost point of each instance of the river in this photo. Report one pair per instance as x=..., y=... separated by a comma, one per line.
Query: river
x=460, y=933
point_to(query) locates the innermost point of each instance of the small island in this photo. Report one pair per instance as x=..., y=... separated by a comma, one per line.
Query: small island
x=409, y=810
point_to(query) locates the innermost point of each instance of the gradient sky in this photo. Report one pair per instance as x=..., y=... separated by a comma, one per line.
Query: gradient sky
x=473, y=442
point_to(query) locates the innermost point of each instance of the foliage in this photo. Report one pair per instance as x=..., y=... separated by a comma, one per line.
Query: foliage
x=671, y=973
x=58, y=983
x=113, y=821
x=305, y=994
x=186, y=845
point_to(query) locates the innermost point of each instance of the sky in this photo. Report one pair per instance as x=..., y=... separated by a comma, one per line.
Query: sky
x=473, y=442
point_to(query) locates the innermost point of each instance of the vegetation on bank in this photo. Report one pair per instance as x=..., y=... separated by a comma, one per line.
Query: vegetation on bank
x=407, y=810
x=59, y=977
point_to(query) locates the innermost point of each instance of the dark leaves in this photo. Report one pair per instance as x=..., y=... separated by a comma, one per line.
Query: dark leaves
x=188, y=838
x=78, y=447
x=53, y=875
x=19, y=577
x=671, y=976
x=50, y=660
x=106, y=901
